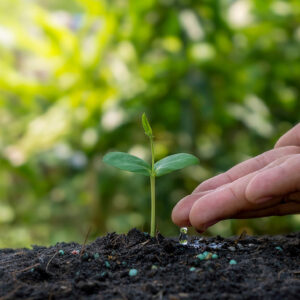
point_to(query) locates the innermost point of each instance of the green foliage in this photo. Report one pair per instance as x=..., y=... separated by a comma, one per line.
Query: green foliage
x=174, y=162
x=127, y=162
x=220, y=79
x=134, y=164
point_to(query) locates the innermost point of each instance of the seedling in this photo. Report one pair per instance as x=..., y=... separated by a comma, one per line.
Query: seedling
x=127, y=162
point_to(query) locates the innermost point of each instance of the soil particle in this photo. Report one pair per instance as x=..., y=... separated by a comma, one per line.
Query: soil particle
x=266, y=268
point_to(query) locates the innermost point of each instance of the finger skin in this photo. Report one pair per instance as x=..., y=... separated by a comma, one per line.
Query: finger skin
x=243, y=194
x=180, y=213
x=246, y=167
x=221, y=203
x=280, y=180
x=292, y=137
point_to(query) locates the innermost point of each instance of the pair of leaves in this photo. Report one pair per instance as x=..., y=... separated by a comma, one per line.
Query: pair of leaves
x=127, y=162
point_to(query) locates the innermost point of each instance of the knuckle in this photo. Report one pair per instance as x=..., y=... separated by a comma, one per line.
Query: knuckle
x=229, y=176
x=233, y=192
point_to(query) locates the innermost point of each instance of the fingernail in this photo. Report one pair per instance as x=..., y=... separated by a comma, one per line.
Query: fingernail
x=262, y=200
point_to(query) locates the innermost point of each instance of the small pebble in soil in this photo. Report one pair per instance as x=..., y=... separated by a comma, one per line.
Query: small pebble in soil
x=183, y=237
x=107, y=264
x=201, y=256
x=32, y=270
x=232, y=262
x=231, y=248
x=96, y=255
x=61, y=252
x=204, y=255
x=124, y=263
x=77, y=273
x=75, y=252
x=153, y=267
x=279, y=248
x=192, y=269
x=214, y=256
x=133, y=272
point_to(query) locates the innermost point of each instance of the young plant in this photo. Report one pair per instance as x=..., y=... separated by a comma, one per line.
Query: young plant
x=127, y=162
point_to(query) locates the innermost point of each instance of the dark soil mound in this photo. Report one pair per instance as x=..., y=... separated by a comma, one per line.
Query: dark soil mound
x=160, y=268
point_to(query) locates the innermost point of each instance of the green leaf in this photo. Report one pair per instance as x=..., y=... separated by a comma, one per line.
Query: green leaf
x=146, y=125
x=174, y=162
x=127, y=162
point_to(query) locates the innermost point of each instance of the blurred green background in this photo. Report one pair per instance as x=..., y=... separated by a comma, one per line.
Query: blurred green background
x=218, y=79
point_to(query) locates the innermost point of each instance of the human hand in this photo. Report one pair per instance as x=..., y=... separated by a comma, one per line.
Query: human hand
x=266, y=185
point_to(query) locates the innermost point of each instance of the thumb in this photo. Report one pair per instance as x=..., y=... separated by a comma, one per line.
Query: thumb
x=280, y=180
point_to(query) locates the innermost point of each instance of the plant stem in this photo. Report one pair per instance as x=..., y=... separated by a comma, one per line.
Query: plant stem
x=152, y=184
x=152, y=154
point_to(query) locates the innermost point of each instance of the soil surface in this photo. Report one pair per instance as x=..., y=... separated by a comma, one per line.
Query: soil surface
x=135, y=266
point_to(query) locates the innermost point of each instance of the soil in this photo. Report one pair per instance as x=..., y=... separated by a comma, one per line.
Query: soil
x=267, y=267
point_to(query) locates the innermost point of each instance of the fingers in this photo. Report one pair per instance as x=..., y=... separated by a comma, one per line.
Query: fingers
x=246, y=167
x=292, y=137
x=181, y=212
x=221, y=203
x=280, y=180
x=258, y=190
x=256, y=193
